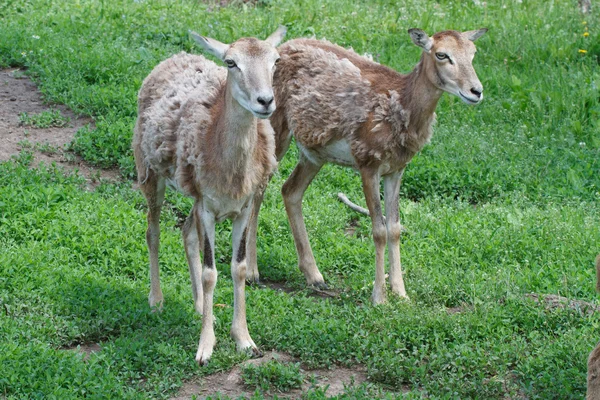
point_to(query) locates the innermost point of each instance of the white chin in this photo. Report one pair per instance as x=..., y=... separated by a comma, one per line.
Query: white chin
x=262, y=115
x=469, y=100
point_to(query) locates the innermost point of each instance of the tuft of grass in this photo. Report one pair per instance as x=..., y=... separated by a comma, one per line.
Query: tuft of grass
x=273, y=375
x=46, y=119
x=503, y=202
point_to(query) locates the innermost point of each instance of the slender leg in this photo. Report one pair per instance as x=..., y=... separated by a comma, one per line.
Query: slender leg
x=154, y=190
x=293, y=191
x=252, y=272
x=391, y=185
x=191, y=242
x=239, y=326
x=283, y=144
x=370, y=180
x=209, y=281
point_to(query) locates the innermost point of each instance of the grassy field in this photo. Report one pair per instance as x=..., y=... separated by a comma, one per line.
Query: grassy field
x=505, y=201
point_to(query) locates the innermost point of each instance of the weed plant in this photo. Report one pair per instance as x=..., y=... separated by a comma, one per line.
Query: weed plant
x=502, y=203
x=273, y=375
x=44, y=119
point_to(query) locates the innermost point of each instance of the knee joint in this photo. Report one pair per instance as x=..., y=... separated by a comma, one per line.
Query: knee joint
x=394, y=231
x=239, y=272
x=379, y=234
x=209, y=278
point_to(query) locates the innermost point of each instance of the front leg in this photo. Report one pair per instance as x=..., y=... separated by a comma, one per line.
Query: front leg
x=209, y=281
x=239, y=326
x=391, y=184
x=370, y=181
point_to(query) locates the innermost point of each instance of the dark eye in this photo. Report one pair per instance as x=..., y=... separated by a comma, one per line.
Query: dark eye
x=441, y=56
x=277, y=61
x=230, y=63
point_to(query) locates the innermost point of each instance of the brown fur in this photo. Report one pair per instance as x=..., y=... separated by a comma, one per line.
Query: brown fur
x=593, y=374
x=348, y=110
x=178, y=132
x=598, y=273
x=368, y=103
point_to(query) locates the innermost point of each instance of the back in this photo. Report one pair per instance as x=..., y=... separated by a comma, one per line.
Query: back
x=163, y=97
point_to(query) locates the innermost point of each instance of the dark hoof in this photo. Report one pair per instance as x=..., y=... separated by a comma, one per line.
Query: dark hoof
x=256, y=284
x=256, y=353
x=319, y=286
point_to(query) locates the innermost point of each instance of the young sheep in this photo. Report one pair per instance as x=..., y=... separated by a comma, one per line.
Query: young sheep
x=197, y=130
x=345, y=109
x=593, y=374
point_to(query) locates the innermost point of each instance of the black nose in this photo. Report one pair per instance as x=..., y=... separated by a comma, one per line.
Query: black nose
x=476, y=92
x=265, y=101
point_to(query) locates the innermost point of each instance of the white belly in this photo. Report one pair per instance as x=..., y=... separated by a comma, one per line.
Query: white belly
x=336, y=152
x=224, y=207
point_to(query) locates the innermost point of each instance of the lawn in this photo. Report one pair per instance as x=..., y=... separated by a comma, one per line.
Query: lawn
x=504, y=202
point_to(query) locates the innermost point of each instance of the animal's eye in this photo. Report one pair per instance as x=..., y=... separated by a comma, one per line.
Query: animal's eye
x=441, y=56
x=277, y=61
x=230, y=63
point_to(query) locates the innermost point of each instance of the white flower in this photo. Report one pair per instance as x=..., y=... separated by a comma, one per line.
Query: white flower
x=36, y=37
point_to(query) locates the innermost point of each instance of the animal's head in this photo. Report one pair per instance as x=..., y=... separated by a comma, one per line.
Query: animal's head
x=448, y=58
x=251, y=64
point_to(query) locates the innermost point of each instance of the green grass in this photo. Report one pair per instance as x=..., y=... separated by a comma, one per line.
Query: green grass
x=503, y=202
x=273, y=375
x=44, y=119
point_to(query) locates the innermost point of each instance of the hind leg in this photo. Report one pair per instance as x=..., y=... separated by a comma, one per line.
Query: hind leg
x=153, y=188
x=192, y=238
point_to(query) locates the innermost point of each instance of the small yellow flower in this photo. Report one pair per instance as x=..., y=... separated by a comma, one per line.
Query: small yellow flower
x=582, y=51
x=584, y=22
x=586, y=34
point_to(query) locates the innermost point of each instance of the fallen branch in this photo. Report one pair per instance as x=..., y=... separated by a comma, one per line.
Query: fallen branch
x=355, y=207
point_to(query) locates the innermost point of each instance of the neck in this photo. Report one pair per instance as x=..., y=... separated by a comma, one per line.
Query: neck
x=238, y=132
x=421, y=94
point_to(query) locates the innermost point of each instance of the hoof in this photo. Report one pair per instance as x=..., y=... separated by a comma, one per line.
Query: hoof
x=319, y=286
x=256, y=353
x=156, y=302
x=379, y=298
x=256, y=283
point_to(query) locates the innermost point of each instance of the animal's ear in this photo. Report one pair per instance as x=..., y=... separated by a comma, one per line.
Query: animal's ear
x=474, y=35
x=420, y=38
x=277, y=36
x=213, y=46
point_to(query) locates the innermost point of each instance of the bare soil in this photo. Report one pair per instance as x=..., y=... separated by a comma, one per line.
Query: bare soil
x=18, y=94
x=231, y=383
x=552, y=301
x=86, y=349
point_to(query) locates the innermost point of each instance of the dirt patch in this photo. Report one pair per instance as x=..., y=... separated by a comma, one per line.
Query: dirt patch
x=86, y=349
x=18, y=94
x=311, y=291
x=231, y=383
x=552, y=301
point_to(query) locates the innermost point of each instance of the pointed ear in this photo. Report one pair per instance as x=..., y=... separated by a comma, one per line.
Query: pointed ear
x=277, y=36
x=474, y=35
x=213, y=46
x=421, y=39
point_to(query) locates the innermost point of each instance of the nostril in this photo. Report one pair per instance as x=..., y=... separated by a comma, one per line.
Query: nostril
x=476, y=92
x=264, y=101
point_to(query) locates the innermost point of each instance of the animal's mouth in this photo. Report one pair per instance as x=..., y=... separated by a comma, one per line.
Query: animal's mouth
x=263, y=115
x=469, y=100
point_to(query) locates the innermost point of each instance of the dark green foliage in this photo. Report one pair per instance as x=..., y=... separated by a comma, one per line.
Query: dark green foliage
x=503, y=202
